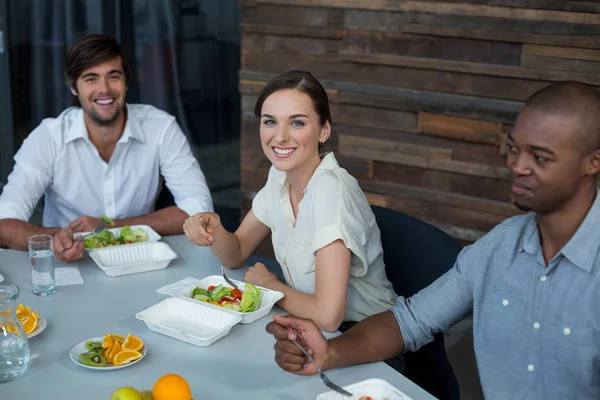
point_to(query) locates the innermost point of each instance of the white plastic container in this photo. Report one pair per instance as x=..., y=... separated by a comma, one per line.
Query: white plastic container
x=377, y=389
x=188, y=322
x=127, y=260
x=153, y=236
x=268, y=300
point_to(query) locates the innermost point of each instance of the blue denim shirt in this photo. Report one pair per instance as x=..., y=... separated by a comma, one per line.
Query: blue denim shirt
x=536, y=328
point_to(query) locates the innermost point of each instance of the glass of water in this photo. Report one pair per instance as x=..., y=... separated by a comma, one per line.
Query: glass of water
x=41, y=256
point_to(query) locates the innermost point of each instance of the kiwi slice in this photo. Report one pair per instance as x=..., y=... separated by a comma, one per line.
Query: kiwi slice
x=93, y=359
x=93, y=346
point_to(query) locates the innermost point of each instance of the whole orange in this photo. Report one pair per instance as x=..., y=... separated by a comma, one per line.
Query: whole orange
x=171, y=387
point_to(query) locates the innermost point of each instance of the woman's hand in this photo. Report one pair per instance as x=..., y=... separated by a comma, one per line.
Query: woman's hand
x=195, y=231
x=259, y=275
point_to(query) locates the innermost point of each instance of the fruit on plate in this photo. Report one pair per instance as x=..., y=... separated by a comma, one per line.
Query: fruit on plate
x=126, y=393
x=133, y=343
x=113, y=349
x=171, y=387
x=27, y=318
x=93, y=359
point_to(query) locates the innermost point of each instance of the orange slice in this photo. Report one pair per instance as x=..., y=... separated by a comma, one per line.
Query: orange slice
x=118, y=338
x=22, y=311
x=126, y=356
x=116, y=349
x=133, y=343
x=108, y=342
x=29, y=323
x=9, y=328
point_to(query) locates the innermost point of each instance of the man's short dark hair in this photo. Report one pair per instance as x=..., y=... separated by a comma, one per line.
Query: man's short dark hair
x=92, y=50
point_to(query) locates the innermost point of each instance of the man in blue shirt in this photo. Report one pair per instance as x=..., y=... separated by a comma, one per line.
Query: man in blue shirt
x=532, y=284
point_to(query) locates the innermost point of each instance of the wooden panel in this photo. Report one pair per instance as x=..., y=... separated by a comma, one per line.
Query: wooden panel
x=493, y=189
x=269, y=43
x=562, y=52
x=373, y=117
x=393, y=22
x=460, y=128
x=287, y=14
x=414, y=155
x=357, y=167
x=502, y=35
x=421, y=46
x=290, y=30
x=418, y=6
x=538, y=72
x=578, y=66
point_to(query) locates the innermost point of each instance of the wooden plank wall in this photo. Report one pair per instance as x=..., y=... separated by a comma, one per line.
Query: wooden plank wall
x=422, y=92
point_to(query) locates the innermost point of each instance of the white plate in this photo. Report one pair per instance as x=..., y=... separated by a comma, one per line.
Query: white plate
x=126, y=260
x=80, y=348
x=378, y=389
x=153, y=236
x=188, y=322
x=268, y=300
x=41, y=325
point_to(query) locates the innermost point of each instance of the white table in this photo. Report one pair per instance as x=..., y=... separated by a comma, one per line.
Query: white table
x=239, y=366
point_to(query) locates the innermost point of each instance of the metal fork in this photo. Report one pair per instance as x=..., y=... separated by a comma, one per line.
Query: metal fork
x=324, y=377
x=219, y=255
x=98, y=229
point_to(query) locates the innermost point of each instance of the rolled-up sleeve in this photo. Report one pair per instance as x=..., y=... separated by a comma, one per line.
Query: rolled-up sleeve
x=182, y=172
x=30, y=177
x=436, y=308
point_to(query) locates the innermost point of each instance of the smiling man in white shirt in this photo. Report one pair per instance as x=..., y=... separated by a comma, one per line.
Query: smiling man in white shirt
x=100, y=157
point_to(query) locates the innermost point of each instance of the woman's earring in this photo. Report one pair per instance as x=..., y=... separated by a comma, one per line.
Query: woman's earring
x=321, y=144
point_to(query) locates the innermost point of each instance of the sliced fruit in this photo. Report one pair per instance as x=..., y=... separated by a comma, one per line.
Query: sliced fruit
x=22, y=310
x=108, y=341
x=93, y=346
x=116, y=348
x=126, y=356
x=29, y=323
x=133, y=343
x=93, y=359
x=118, y=338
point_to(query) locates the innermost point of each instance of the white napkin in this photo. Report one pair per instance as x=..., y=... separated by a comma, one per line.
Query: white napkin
x=68, y=276
x=174, y=288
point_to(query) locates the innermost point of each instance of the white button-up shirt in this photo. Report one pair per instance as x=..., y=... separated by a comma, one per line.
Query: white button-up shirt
x=58, y=160
x=333, y=207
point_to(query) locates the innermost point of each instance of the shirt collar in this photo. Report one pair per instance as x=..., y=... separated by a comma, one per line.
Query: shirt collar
x=328, y=162
x=581, y=249
x=133, y=129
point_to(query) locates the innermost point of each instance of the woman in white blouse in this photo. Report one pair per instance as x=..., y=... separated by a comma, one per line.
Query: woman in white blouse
x=323, y=230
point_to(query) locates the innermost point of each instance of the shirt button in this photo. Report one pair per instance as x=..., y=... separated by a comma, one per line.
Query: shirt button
x=543, y=278
x=567, y=331
x=536, y=325
x=530, y=368
x=504, y=302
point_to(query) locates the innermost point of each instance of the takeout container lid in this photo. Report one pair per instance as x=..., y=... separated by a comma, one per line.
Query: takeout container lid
x=188, y=322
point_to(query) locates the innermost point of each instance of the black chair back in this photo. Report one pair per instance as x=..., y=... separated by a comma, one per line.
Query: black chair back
x=416, y=254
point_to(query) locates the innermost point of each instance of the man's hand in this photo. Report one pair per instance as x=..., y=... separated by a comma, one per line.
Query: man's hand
x=63, y=239
x=287, y=355
x=84, y=224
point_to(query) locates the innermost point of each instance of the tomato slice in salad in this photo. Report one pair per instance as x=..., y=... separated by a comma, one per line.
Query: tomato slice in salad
x=211, y=287
x=236, y=293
